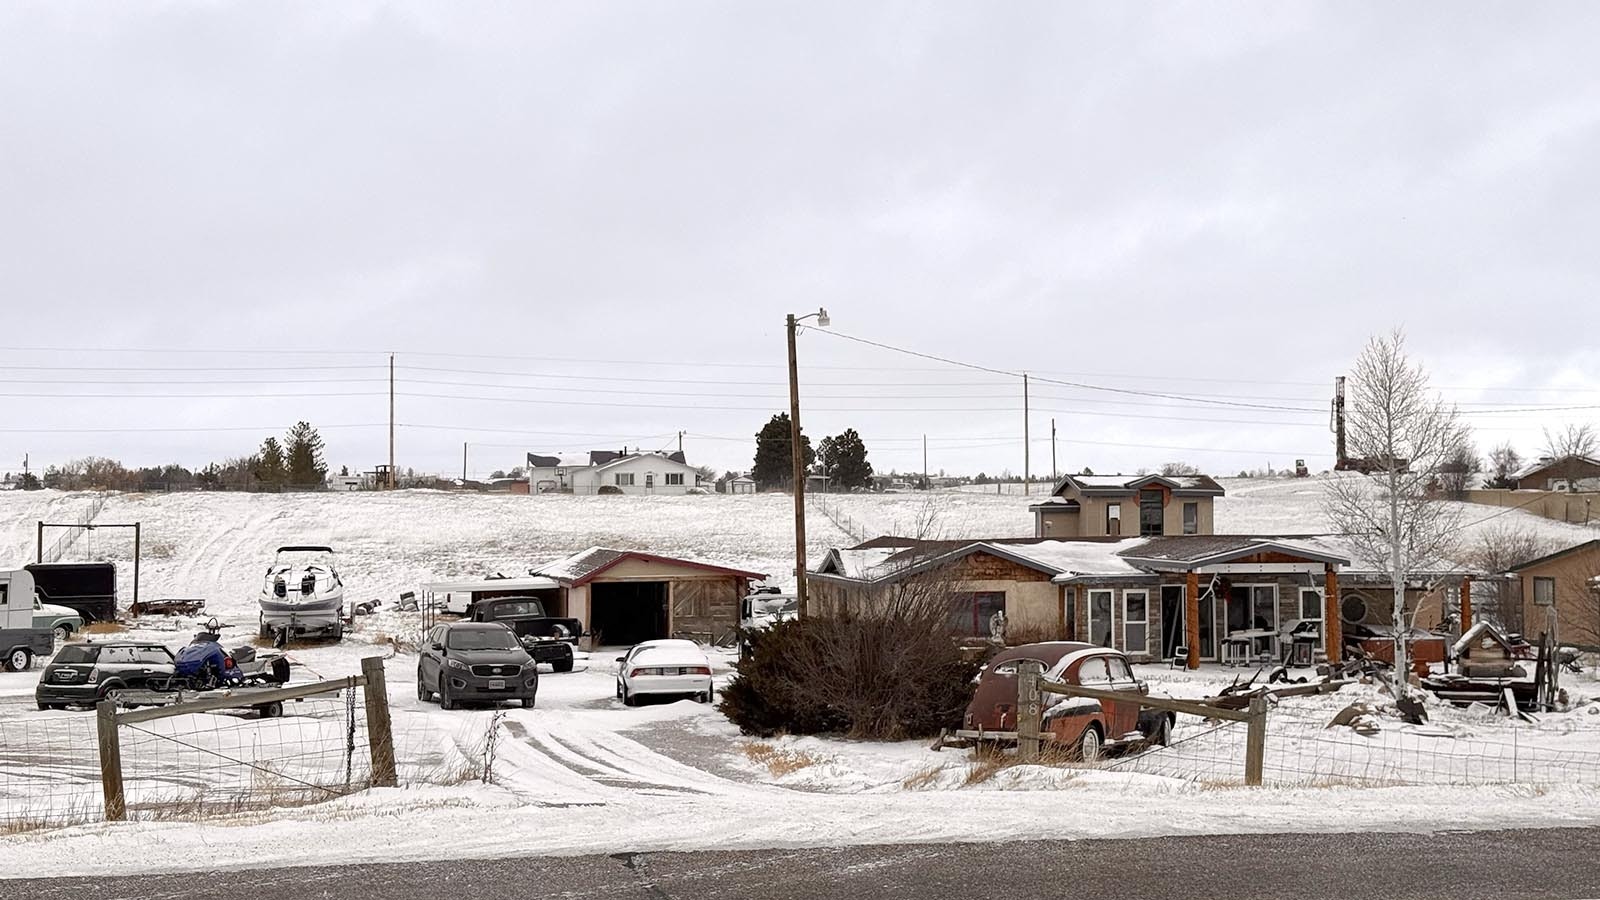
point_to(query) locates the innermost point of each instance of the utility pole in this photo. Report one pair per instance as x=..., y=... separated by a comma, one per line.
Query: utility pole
x=797, y=466
x=1054, y=475
x=680, y=443
x=1026, y=476
x=463, y=461
x=925, y=461
x=391, y=421
x=797, y=461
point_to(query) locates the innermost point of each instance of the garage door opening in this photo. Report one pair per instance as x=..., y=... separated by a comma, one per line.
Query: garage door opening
x=628, y=612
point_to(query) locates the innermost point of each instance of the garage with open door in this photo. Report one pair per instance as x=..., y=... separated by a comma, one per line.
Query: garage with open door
x=623, y=597
x=628, y=612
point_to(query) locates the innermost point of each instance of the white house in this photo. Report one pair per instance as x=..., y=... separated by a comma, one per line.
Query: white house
x=631, y=473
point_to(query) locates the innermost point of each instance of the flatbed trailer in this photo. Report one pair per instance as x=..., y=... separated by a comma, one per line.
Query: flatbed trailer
x=265, y=699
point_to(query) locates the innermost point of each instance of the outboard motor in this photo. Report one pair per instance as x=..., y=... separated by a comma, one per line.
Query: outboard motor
x=308, y=584
x=278, y=587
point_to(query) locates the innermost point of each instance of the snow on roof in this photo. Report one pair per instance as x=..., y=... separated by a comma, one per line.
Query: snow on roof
x=869, y=564
x=468, y=585
x=1070, y=558
x=1127, y=482
x=558, y=460
x=664, y=457
x=1546, y=462
x=585, y=564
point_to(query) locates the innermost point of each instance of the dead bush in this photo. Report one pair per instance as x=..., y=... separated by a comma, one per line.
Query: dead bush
x=779, y=762
x=105, y=628
x=883, y=669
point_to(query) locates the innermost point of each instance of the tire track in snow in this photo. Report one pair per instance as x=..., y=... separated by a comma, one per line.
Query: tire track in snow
x=561, y=750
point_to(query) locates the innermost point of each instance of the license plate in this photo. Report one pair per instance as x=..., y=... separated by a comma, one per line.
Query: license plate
x=497, y=684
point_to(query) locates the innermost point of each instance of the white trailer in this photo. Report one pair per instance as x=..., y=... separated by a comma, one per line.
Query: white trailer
x=20, y=641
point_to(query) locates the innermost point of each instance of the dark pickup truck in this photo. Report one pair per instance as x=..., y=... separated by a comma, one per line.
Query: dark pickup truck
x=548, y=639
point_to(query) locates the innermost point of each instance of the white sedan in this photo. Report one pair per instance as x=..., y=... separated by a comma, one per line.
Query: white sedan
x=667, y=667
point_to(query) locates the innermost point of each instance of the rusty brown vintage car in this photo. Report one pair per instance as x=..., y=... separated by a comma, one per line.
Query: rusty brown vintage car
x=1090, y=727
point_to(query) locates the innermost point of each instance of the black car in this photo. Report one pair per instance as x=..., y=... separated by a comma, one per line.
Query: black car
x=83, y=674
x=466, y=661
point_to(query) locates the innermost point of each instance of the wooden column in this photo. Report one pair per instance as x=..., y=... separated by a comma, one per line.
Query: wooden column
x=380, y=736
x=1466, y=604
x=116, y=803
x=1061, y=613
x=1029, y=709
x=1333, y=630
x=1191, y=619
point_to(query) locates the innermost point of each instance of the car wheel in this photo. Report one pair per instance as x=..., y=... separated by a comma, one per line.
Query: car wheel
x=619, y=689
x=1163, y=735
x=628, y=699
x=527, y=703
x=19, y=660
x=445, y=700
x=43, y=705
x=423, y=694
x=63, y=634
x=270, y=710
x=1089, y=744
x=704, y=696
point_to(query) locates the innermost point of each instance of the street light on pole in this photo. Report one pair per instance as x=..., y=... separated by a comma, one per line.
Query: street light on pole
x=797, y=460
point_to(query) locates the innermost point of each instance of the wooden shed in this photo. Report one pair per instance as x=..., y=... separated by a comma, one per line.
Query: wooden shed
x=628, y=596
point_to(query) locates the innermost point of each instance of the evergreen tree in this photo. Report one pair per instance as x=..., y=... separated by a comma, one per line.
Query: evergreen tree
x=270, y=470
x=848, y=464
x=773, y=469
x=303, y=457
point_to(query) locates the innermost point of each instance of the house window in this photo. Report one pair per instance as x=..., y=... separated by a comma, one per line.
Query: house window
x=1311, y=606
x=1191, y=518
x=624, y=479
x=1151, y=510
x=1544, y=592
x=972, y=612
x=1135, y=621
x=1100, y=618
x=674, y=478
x=1114, y=519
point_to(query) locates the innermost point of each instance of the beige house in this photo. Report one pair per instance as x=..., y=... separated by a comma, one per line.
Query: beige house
x=1197, y=597
x=1127, y=506
x=1563, y=582
x=625, y=596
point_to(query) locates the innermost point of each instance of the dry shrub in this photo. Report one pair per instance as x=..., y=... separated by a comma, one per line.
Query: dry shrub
x=924, y=779
x=988, y=760
x=886, y=669
x=779, y=762
x=105, y=628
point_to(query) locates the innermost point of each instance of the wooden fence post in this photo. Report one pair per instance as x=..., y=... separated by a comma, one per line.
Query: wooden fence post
x=380, y=735
x=1029, y=671
x=116, y=803
x=1255, y=741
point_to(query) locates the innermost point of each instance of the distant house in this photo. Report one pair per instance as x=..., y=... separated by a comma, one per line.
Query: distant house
x=1565, y=581
x=1567, y=473
x=741, y=484
x=630, y=473
x=1127, y=506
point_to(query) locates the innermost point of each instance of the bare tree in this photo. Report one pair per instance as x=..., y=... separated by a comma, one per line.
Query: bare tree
x=1388, y=514
x=1494, y=551
x=1504, y=463
x=1574, y=440
x=1457, y=471
x=1179, y=468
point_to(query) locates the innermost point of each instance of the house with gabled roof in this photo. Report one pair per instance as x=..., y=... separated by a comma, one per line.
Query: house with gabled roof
x=1189, y=596
x=629, y=596
x=1566, y=473
x=1127, y=505
x=629, y=473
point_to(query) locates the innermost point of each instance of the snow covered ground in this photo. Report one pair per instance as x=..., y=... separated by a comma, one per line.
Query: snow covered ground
x=581, y=773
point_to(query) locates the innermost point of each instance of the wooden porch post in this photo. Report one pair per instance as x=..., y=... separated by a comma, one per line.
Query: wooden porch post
x=1331, y=624
x=1061, y=612
x=1466, y=604
x=1191, y=618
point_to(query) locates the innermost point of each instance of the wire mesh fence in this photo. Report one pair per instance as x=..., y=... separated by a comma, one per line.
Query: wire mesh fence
x=202, y=763
x=1302, y=750
x=49, y=772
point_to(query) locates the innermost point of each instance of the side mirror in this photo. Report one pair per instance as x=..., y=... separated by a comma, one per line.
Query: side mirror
x=1144, y=688
x=436, y=646
x=621, y=658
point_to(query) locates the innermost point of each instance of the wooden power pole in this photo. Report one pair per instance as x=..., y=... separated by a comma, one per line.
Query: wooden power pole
x=1026, y=478
x=1054, y=475
x=798, y=473
x=463, y=462
x=391, y=422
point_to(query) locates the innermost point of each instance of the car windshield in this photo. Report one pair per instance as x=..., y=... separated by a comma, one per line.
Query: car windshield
x=77, y=654
x=521, y=608
x=480, y=639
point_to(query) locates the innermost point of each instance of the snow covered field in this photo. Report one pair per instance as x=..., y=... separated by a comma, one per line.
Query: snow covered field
x=581, y=773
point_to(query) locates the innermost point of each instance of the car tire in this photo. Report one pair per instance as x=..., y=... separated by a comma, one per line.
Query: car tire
x=703, y=696
x=628, y=699
x=619, y=689
x=19, y=660
x=445, y=700
x=423, y=694
x=1163, y=735
x=44, y=705
x=1089, y=744
x=62, y=634
x=527, y=703
x=270, y=710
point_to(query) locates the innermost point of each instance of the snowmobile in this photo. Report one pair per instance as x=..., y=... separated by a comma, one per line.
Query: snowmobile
x=302, y=595
x=204, y=665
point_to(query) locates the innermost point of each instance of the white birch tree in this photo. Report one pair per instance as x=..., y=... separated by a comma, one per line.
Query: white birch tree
x=1400, y=433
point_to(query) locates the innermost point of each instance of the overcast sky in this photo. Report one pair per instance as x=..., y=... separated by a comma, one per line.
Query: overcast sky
x=580, y=225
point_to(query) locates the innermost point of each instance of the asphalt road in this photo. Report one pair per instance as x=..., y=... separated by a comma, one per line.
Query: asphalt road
x=1495, y=864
